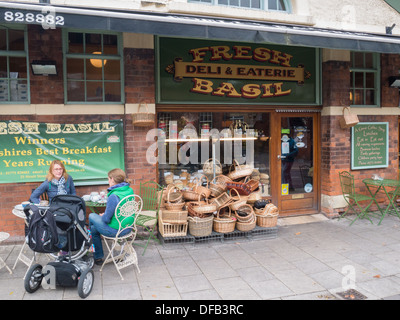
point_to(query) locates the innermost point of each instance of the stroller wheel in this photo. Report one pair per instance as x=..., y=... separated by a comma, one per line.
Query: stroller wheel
x=85, y=283
x=33, y=278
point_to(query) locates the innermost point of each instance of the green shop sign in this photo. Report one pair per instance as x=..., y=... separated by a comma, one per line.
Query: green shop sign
x=88, y=150
x=205, y=71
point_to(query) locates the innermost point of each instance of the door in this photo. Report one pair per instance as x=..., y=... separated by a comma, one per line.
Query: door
x=296, y=147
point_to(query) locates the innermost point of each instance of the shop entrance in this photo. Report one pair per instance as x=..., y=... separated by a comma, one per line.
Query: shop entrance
x=295, y=144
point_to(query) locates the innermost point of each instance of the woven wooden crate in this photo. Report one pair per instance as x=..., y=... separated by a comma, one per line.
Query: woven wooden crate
x=171, y=229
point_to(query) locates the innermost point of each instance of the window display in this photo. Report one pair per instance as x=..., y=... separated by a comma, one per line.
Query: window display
x=214, y=143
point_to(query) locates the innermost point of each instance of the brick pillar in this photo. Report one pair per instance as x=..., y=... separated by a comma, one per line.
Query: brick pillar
x=335, y=142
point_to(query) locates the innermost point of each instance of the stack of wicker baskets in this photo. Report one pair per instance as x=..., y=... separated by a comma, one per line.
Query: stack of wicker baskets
x=201, y=205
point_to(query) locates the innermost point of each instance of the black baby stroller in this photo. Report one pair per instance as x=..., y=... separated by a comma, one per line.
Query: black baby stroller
x=60, y=231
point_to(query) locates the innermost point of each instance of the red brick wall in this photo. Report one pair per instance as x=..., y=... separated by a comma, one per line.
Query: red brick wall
x=139, y=86
x=336, y=142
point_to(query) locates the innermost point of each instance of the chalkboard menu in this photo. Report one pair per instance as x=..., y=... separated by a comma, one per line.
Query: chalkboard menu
x=370, y=145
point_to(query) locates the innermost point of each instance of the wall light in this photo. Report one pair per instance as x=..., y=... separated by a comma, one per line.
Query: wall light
x=43, y=67
x=97, y=63
x=394, y=82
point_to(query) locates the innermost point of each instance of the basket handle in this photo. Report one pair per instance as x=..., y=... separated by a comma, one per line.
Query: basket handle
x=140, y=104
x=169, y=191
x=235, y=191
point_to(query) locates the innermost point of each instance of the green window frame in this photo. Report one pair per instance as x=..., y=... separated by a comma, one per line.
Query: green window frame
x=93, y=67
x=14, y=65
x=268, y=5
x=364, y=79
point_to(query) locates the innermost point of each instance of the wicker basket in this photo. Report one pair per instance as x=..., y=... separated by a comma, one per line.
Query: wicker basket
x=237, y=201
x=173, y=197
x=190, y=195
x=200, y=227
x=174, y=216
x=267, y=220
x=253, y=197
x=198, y=188
x=246, y=226
x=171, y=229
x=216, y=187
x=143, y=119
x=175, y=206
x=247, y=210
x=224, y=224
x=221, y=200
x=200, y=208
x=240, y=171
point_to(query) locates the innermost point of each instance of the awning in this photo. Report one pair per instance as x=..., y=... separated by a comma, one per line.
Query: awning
x=190, y=26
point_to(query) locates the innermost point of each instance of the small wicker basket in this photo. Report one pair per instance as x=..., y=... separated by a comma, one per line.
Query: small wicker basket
x=143, y=119
x=224, y=224
x=268, y=220
x=246, y=226
x=240, y=171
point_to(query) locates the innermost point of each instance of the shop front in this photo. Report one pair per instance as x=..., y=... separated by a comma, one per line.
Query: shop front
x=230, y=103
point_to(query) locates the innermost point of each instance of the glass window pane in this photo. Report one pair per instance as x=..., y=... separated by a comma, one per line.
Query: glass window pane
x=359, y=79
x=272, y=5
x=94, y=91
x=3, y=67
x=76, y=91
x=112, y=91
x=224, y=2
x=234, y=3
x=18, y=90
x=75, y=69
x=369, y=61
x=281, y=5
x=3, y=39
x=369, y=97
x=369, y=80
x=358, y=97
x=110, y=44
x=94, y=69
x=245, y=3
x=255, y=4
x=17, y=67
x=16, y=40
x=112, y=70
x=75, y=42
x=93, y=42
x=358, y=60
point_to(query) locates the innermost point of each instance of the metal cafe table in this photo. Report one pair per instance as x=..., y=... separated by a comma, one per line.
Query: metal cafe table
x=95, y=207
x=390, y=187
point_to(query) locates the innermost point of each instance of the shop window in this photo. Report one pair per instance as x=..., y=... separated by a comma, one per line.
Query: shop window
x=93, y=68
x=193, y=139
x=364, y=79
x=13, y=66
x=270, y=5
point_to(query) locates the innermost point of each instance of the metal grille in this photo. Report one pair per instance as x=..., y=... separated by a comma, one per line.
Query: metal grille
x=352, y=294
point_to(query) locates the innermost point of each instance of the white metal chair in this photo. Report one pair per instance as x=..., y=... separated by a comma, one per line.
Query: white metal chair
x=4, y=236
x=126, y=212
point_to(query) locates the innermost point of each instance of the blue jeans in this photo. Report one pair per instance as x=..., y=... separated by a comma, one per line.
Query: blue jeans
x=98, y=227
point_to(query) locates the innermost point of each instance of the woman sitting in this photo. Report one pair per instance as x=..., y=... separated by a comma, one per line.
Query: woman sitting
x=106, y=223
x=58, y=181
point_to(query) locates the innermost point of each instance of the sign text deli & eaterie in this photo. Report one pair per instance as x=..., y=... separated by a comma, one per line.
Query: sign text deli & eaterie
x=277, y=69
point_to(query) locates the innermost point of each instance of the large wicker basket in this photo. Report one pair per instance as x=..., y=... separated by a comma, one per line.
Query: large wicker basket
x=143, y=119
x=200, y=227
x=267, y=220
x=171, y=229
x=175, y=216
x=208, y=167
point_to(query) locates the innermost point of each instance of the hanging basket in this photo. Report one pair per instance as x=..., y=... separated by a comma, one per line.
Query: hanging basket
x=348, y=120
x=143, y=119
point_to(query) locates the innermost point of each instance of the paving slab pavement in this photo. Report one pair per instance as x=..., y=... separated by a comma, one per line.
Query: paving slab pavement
x=311, y=258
